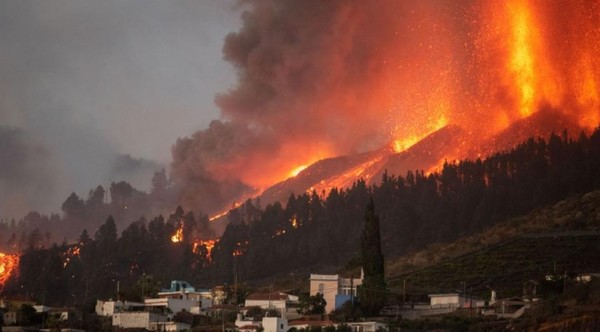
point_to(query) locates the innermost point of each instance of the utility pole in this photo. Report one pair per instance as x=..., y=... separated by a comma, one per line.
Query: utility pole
x=352, y=290
x=403, y=291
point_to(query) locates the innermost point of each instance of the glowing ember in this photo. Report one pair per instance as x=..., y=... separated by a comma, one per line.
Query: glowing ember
x=178, y=236
x=8, y=265
x=68, y=255
x=240, y=249
x=294, y=221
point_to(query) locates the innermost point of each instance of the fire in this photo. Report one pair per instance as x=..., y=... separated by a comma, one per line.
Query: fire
x=297, y=170
x=405, y=143
x=178, y=236
x=240, y=249
x=68, y=255
x=8, y=265
x=392, y=72
x=218, y=215
x=209, y=244
x=294, y=221
x=521, y=63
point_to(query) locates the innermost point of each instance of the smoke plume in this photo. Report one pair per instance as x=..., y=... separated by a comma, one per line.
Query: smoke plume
x=24, y=173
x=324, y=78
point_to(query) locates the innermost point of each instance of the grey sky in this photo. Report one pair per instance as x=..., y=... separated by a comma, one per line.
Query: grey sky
x=89, y=80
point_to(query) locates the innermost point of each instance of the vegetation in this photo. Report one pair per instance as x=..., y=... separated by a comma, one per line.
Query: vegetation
x=414, y=211
x=372, y=292
x=507, y=267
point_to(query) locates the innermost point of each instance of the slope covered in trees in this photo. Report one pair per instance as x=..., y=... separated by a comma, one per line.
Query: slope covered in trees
x=321, y=231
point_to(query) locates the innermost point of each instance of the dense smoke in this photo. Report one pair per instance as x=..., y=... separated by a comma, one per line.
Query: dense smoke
x=323, y=78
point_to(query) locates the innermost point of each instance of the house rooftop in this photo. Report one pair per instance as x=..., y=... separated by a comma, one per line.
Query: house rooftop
x=267, y=296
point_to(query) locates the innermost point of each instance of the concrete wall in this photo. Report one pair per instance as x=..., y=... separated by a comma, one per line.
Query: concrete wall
x=326, y=284
x=447, y=299
x=176, y=305
x=264, y=304
x=274, y=324
x=134, y=319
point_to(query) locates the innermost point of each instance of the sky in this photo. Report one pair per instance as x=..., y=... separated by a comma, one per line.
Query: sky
x=233, y=96
x=99, y=91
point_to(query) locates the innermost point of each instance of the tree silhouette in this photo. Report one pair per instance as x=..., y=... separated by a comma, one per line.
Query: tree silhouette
x=373, y=290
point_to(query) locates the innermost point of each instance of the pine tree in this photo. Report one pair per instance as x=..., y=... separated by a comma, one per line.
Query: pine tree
x=373, y=290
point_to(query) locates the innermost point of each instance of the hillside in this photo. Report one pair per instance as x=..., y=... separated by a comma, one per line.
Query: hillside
x=562, y=237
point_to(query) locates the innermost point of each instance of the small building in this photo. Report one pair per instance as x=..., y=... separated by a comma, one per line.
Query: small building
x=174, y=305
x=335, y=290
x=455, y=300
x=277, y=300
x=108, y=308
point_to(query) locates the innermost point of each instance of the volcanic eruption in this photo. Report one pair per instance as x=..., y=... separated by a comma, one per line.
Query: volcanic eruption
x=369, y=80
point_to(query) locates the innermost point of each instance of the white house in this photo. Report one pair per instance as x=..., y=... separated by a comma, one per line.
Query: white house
x=108, y=308
x=175, y=305
x=286, y=304
x=335, y=290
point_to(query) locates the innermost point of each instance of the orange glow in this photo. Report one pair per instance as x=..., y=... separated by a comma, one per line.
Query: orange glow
x=8, y=266
x=178, y=236
x=405, y=143
x=297, y=170
x=240, y=249
x=219, y=215
x=392, y=72
x=68, y=255
x=209, y=244
x=521, y=63
x=294, y=221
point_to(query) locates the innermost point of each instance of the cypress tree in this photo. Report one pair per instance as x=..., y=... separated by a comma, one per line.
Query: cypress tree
x=373, y=289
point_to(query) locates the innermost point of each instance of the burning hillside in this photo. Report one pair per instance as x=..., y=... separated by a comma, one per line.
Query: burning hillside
x=323, y=79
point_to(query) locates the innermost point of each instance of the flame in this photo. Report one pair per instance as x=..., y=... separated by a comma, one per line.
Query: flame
x=297, y=170
x=8, y=265
x=178, y=236
x=521, y=63
x=399, y=75
x=405, y=143
x=209, y=244
x=294, y=221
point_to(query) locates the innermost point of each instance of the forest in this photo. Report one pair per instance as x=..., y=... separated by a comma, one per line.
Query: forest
x=311, y=232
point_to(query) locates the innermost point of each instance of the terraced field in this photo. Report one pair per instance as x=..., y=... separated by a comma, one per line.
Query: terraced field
x=506, y=267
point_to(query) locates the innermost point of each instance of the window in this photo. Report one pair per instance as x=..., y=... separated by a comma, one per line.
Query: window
x=322, y=288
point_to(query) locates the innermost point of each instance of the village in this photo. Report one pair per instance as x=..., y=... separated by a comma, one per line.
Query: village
x=182, y=307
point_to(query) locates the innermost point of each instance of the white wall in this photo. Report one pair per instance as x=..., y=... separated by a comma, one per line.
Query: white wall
x=133, y=319
x=274, y=324
x=264, y=304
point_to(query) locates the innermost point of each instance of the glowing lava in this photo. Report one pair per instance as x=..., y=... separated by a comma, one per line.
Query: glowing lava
x=297, y=170
x=8, y=265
